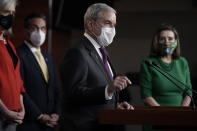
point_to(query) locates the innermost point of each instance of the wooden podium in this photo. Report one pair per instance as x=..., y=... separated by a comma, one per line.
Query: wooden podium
x=158, y=116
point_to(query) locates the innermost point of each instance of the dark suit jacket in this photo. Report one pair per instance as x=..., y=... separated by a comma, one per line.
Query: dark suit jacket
x=41, y=97
x=84, y=81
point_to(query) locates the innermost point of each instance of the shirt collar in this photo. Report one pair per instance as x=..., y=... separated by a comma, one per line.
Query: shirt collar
x=94, y=43
x=33, y=49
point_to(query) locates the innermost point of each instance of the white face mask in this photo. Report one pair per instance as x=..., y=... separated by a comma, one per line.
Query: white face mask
x=37, y=38
x=106, y=36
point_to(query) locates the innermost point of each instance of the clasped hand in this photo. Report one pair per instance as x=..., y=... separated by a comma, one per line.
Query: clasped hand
x=49, y=120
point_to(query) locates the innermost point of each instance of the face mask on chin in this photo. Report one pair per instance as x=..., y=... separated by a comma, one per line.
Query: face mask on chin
x=106, y=36
x=37, y=38
x=6, y=22
x=168, y=48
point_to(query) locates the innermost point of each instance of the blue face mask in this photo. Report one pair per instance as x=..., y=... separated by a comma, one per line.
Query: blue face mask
x=167, y=48
x=6, y=21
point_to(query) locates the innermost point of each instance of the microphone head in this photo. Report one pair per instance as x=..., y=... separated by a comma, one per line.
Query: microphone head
x=155, y=64
x=152, y=63
x=149, y=63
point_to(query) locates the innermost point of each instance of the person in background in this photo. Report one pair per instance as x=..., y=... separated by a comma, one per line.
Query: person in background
x=11, y=85
x=42, y=99
x=157, y=89
x=89, y=80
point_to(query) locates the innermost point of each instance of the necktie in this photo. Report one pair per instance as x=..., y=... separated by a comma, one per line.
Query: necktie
x=43, y=65
x=105, y=59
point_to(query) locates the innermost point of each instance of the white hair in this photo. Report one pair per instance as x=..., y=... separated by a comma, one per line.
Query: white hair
x=94, y=11
x=5, y=4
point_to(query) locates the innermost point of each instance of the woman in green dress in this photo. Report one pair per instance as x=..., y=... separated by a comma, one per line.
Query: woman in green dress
x=160, y=71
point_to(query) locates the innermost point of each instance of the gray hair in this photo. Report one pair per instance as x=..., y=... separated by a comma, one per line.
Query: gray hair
x=94, y=11
x=4, y=4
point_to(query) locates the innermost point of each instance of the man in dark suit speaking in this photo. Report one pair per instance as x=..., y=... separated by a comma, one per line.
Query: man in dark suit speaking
x=89, y=80
x=39, y=76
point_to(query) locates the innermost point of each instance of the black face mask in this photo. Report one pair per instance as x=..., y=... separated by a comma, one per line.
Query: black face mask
x=6, y=21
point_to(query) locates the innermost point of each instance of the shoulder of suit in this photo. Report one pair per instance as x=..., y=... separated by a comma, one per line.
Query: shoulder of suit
x=79, y=46
x=46, y=54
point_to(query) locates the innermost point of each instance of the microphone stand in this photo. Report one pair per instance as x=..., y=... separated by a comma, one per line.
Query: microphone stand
x=186, y=86
x=166, y=74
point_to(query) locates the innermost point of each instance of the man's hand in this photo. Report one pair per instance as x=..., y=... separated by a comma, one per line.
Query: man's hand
x=124, y=105
x=54, y=120
x=44, y=119
x=54, y=117
x=118, y=84
x=49, y=120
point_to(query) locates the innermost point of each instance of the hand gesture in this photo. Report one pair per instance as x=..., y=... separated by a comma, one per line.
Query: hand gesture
x=118, y=84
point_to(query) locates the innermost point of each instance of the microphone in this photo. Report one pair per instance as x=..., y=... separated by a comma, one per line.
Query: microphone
x=186, y=86
x=169, y=76
x=149, y=63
